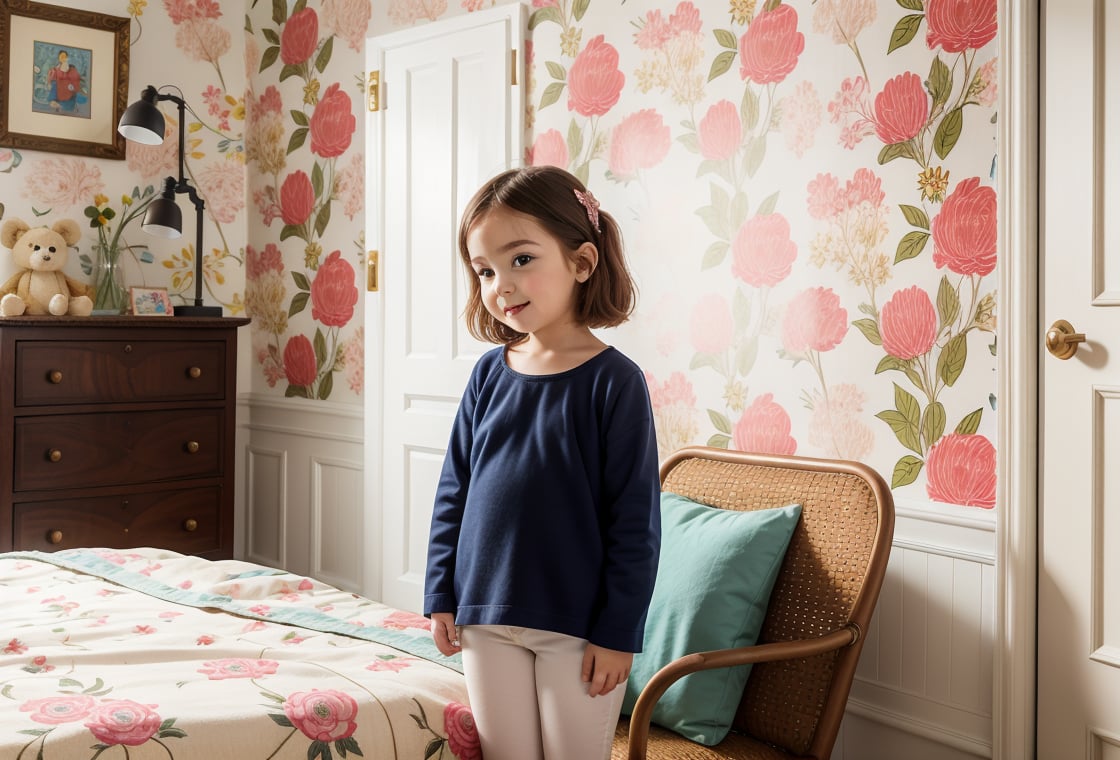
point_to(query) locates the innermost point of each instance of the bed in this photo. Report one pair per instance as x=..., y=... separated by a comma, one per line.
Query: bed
x=147, y=653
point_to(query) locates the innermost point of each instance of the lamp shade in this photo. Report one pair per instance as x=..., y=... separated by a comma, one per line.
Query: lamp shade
x=163, y=218
x=142, y=122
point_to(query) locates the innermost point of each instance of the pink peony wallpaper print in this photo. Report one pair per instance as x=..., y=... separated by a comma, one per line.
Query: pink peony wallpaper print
x=806, y=190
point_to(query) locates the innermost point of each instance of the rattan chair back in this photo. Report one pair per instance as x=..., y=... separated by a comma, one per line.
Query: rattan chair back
x=830, y=579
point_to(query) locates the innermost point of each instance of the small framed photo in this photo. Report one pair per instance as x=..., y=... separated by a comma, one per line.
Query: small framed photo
x=150, y=302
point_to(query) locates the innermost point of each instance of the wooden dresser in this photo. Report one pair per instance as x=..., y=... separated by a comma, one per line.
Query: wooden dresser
x=118, y=432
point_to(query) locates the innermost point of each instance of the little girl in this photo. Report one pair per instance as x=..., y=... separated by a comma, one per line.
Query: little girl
x=546, y=528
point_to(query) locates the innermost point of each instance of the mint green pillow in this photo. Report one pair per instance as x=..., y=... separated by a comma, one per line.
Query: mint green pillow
x=714, y=579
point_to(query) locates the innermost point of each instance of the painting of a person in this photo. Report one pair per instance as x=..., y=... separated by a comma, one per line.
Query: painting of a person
x=61, y=80
x=65, y=83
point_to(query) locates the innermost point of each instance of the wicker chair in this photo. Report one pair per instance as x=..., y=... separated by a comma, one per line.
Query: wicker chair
x=818, y=614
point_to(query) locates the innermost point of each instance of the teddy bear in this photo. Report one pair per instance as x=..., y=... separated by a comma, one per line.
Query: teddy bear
x=40, y=287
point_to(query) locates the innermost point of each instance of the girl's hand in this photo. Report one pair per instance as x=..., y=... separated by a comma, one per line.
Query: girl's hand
x=605, y=669
x=444, y=633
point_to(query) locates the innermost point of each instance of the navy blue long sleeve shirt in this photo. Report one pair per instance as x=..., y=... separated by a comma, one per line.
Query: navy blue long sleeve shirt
x=547, y=511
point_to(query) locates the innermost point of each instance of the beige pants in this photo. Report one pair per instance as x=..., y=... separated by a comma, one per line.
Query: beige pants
x=527, y=697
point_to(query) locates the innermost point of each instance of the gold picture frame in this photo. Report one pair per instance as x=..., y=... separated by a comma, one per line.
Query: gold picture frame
x=63, y=79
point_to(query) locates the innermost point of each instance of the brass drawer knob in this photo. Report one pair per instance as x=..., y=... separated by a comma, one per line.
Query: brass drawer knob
x=192, y=447
x=55, y=537
x=190, y=525
x=54, y=376
x=54, y=455
x=194, y=373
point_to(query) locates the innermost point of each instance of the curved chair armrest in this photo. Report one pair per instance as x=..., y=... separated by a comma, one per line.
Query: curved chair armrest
x=724, y=658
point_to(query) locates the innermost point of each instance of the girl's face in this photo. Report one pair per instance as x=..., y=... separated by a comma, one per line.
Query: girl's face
x=527, y=279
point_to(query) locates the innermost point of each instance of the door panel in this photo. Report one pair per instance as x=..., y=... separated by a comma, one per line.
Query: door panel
x=1079, y=510
x=450, y=118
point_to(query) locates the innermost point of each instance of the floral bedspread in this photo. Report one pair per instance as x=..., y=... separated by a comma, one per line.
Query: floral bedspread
x=152, y=654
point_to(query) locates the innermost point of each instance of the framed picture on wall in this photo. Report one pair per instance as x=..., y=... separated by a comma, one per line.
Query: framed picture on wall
x=63, y=79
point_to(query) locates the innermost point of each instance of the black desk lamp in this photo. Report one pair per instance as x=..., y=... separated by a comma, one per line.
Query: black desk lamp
x=142, y=122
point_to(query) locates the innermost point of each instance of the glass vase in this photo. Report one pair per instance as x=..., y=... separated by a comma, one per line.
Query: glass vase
x=110, y=295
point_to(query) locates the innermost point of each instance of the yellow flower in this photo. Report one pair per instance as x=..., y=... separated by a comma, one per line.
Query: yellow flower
x=100, y=200
x=311, y=92
x=136, y=7
x=102, y=220
x=569, y=41
x=311, y=255
x=933, y=184
x=742, y=11
x=126, y=200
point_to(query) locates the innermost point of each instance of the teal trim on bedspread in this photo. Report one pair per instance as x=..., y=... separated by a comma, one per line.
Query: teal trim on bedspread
x=85, y=561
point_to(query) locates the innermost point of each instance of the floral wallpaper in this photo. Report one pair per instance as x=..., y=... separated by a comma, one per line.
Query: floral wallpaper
x=806, y=190
x=807, y=193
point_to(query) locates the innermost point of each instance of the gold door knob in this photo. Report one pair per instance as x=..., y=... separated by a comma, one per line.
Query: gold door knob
x=190, y=525
x=1061, y=340
x=55, y=537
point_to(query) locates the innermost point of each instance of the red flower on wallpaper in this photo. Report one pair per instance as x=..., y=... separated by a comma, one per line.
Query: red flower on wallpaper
x=595, y=81
x=640, y=141
x=549, y=149
x=814, y=321
x=297, y=198
x=959, y=25
x=721, y=131
x=299, y=361
x=964, y=231
x=961, y=469
x=764, y=428
x=901, y=109
x=300, y=37
x=333, y=123
x=762, y=252
x=462, y=734
x=769, y=49
x=333, y=293
x=908, y=323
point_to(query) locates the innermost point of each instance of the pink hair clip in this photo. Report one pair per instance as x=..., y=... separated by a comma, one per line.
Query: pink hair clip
x=592, y=206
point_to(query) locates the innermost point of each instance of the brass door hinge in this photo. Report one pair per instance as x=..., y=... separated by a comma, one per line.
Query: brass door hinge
x=372, y=281
x=374, y=93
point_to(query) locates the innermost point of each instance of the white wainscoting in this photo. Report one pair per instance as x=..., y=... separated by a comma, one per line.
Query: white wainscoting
x=923, y=689
x=303, y=473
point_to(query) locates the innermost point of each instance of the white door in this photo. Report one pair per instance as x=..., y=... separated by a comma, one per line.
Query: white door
x=1079, y=437
x=451, y=116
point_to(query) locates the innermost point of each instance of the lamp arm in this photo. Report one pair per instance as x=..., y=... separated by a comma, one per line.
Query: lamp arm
x=199, y=206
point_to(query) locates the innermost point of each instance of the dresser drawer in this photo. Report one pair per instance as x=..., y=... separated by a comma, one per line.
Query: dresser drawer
x=87, y=450
x=110, y=371
x=185, y=521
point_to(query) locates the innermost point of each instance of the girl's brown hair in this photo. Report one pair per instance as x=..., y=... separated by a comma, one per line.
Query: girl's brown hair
x=547, y=194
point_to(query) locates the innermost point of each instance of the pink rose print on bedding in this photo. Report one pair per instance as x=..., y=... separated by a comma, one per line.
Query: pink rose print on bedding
x=56, y=710
x=462, y=734
x=769, y=49
x=961, y=469
x=595, y=81
x=399, y=620
x=959, y=25
x=325, y=716
x=122, y=721
x=238, y=667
